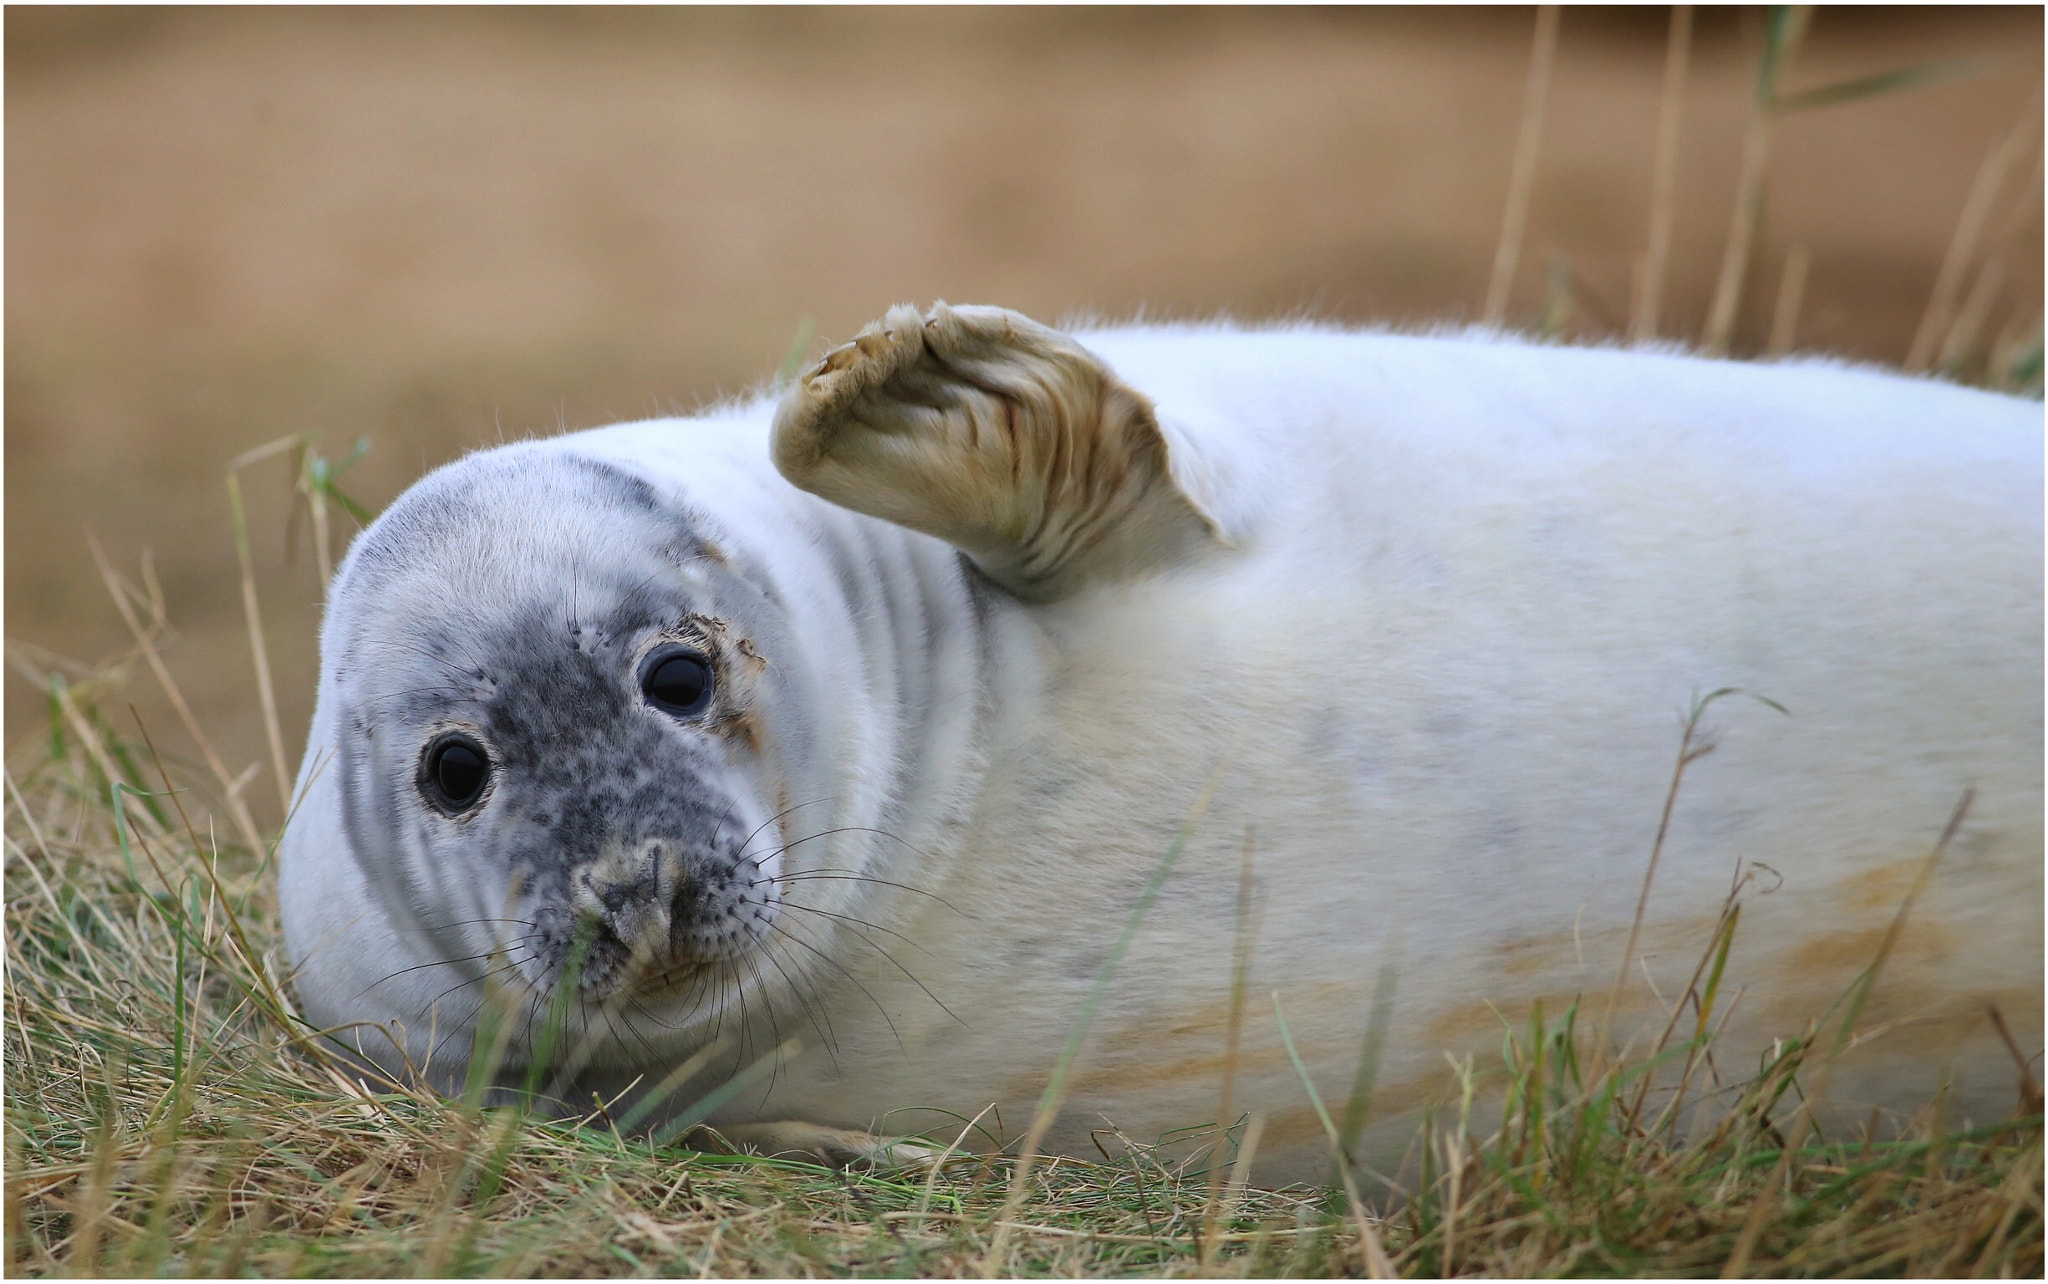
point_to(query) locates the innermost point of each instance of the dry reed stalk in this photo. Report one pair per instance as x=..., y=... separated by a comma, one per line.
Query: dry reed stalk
x=2014, y=226
x=1241, y=1167
x=1791, y=292
x=231, y=792
x=1692, y=746
x=1559, y=306
x=252, y=611
x=1372, y=1253
x=1642, y=324
x=1788, y=25
x=2017, y=338
x=1523, y=177
x=140, y=820
x=1962, y=246
x=2011, y=230
x=2030, y=1083
x=1969, y=320
x=323, y=554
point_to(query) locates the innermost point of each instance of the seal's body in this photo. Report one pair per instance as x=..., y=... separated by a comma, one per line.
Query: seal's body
x=853, y=783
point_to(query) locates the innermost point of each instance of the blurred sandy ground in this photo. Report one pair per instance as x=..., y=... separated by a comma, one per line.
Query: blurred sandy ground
x=439, y=228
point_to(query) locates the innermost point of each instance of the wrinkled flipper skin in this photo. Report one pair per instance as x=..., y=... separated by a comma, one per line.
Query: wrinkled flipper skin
x=998, y=435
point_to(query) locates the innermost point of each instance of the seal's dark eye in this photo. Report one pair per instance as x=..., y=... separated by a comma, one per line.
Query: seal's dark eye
x=677, y=682
x=454, y=772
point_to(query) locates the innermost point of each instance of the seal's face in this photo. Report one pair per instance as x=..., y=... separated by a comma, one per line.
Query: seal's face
x=558, y=773
x=614, y=805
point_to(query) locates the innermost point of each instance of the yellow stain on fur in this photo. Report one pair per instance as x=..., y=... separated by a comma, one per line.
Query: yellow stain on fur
x=1841, y=953
x=1884, y=887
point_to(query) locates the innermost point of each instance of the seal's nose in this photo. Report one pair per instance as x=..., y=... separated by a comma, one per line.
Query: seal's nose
x=628, y=893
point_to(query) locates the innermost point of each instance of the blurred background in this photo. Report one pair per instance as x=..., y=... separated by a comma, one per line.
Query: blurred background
x=436, y=229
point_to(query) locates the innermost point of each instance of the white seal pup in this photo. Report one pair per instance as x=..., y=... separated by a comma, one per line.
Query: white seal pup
x=830, y=743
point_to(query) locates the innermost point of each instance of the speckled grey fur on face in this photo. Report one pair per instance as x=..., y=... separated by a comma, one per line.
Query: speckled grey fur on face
x=612, y=837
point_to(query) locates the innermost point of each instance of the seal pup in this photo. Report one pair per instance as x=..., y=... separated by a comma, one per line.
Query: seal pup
x=827, y=742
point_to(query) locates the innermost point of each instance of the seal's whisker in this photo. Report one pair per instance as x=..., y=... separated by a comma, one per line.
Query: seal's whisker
x=858, y=922
x=634, y=593
x=469, y=958
x=788, y=935
x=690, y=1001
x=583, y=1011
x=804, y=1009
x=526, y=1030
x=774, y=1029
x=691, y=1008
x=434, y=1054
x=911, y=976
x=834, y=876
x=731, y=994
x=771, y=820
x=651, y=1019
x=575, y=596
x=609, y=1009
x=739, y=989
x=718, y=1017
x=809, y=1009
x=469, y=922
x=811, y=999
x=853, y=930
x=471, y=672
x=454, y=692
x=481, y=976
x=457, y=1027
x=390, y=976
x=563, y=1073
x=727, y=815
x=703, y=991
x=852, y=829
x=618, y=1003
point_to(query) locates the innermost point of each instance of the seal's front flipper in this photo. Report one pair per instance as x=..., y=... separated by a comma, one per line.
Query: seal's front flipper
x=998, y=435
x=811, y=1143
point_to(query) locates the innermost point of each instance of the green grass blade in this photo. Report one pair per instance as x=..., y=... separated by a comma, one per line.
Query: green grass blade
x=1884, y=82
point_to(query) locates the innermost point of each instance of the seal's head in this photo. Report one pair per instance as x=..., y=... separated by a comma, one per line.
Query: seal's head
x=542, y=700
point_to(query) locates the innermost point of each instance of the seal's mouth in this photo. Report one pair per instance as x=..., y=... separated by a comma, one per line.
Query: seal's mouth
x=603, y=968
x=612, y=975
x=651, y=921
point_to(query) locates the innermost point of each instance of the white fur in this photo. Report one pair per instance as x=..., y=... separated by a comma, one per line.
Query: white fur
x=1464, y=591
